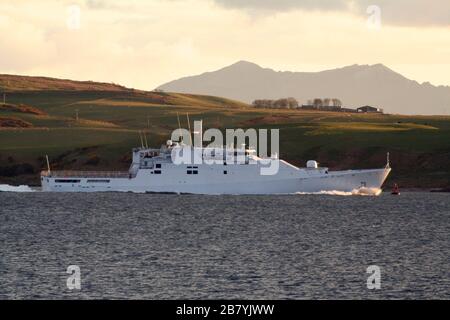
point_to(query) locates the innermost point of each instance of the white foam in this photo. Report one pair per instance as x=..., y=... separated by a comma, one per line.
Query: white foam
x=9, y=188
x=355, y=192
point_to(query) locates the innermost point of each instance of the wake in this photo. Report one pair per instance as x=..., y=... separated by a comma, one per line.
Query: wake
x=354, y=192
x=9, y=188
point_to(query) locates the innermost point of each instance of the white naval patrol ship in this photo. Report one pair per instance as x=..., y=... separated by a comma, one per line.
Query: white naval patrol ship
x=157, y=171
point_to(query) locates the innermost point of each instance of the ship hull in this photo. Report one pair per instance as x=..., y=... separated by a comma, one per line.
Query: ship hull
x=286, y=182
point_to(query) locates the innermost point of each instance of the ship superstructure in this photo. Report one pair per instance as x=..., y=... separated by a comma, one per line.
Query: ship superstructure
x=212, y=171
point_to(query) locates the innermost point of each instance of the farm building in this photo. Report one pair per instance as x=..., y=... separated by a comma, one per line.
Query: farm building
x=369, y=109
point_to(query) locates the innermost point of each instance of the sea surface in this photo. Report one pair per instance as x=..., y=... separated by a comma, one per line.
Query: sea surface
x=150, y=246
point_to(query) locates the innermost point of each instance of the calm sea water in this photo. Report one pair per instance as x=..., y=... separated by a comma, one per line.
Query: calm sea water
x=142, y=246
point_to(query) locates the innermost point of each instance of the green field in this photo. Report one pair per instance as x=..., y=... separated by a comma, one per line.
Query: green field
x=109, y=121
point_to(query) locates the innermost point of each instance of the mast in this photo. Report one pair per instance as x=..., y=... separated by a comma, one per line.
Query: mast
x=142, y=141
x=189, y=127
x=201, y=134
x=145, y=138
x=179, y=128
x=48, y=164
x=198, y=133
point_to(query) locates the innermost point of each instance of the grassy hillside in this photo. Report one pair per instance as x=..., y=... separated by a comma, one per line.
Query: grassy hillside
x=17, y=83
x=43, y=121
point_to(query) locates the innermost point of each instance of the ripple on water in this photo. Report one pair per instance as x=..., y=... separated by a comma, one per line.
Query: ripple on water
x=185, y=246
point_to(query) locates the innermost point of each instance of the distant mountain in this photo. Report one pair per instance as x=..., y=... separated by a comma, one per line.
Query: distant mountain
x=355, y=85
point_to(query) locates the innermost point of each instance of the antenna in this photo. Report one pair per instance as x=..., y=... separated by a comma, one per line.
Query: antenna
x=201, y=134
x=189, y=127
x=48, y=164
x=145, y=139
x=142, y=141
x=179, y=128
x=198, y=133
x=388, y=161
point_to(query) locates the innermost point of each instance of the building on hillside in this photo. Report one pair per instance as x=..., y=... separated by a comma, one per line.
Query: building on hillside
x=331, y=108
x=321, y=108
x=308, y=107
x=369, y=109
x=349, y=110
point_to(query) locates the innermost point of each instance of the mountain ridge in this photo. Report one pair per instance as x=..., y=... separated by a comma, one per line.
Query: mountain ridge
x=355, y=85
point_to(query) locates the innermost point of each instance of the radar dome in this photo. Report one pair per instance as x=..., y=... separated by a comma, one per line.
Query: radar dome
x=312, y=164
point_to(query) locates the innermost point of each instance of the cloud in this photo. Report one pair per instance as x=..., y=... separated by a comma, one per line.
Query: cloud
x=145, y=43
x=283, y=5
x=96, y=4
x=413, y=12
x=395, y=12
x=103, y=4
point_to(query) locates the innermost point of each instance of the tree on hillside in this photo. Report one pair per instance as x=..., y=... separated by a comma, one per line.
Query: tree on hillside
x=326, y=102
x=292, y=103
x=317, y=103
x=281, y=103
x=337, y=102
x=257, y=104
x=261, y=103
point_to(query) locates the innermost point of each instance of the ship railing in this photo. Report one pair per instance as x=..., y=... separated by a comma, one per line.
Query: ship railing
x=87, y=174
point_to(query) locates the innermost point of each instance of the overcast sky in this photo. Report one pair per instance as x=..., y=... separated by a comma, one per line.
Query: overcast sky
x=143, y=44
